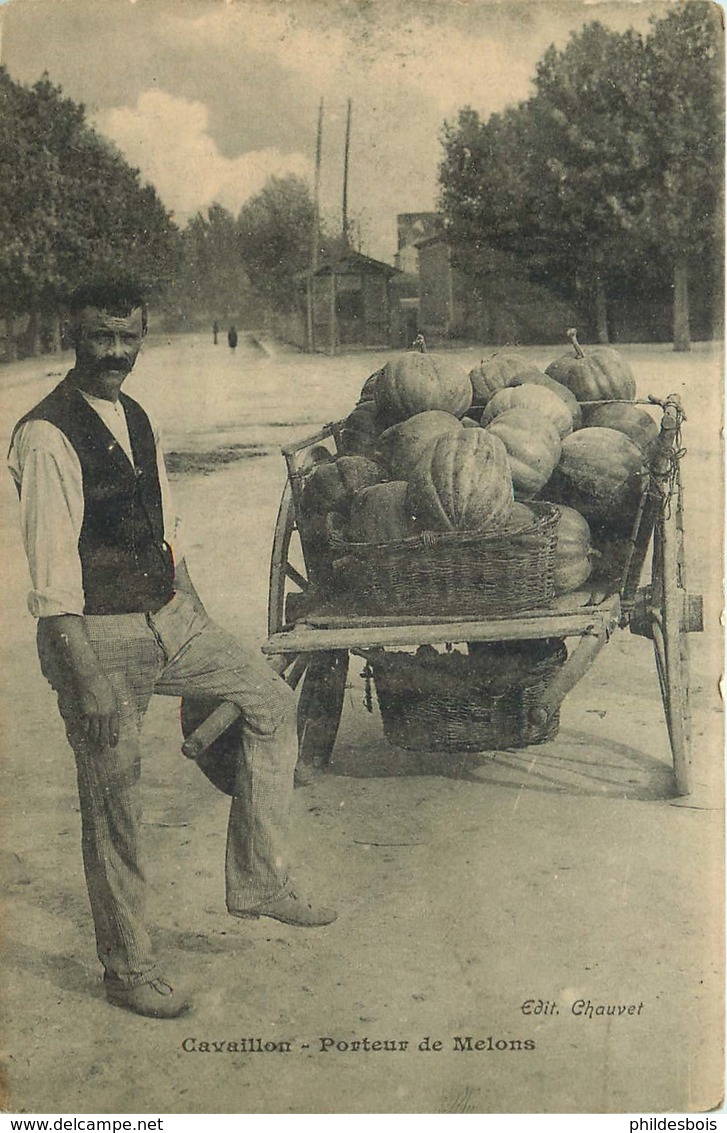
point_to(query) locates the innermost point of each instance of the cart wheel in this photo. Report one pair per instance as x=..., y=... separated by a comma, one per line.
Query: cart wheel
x=320, y=706
x=324, y=674
x=283, y=571
x=290, y=588
x=670, y=623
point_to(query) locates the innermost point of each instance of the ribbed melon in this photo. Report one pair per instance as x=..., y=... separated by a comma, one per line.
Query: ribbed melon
x=635, y=423
x=495, y=373
x=601, y=474
x=597, y=373
x=573, y=562
x=538, y=378
x=533, y=448
x=532, y=397
x=462, y=482
x=360, y=431
x=331, y=486
x=414, y=383
x=399, y=447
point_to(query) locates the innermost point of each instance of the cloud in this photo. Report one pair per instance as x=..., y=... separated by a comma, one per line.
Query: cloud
x=209, y=99
x=167, y=138
x=405, y=74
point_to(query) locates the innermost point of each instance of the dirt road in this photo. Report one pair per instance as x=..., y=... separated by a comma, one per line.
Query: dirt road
x=561, y=873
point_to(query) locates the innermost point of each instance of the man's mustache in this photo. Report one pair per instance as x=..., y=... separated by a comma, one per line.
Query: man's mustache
x=115, y=365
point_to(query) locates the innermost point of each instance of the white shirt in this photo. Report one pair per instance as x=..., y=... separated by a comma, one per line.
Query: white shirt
x=46, y=466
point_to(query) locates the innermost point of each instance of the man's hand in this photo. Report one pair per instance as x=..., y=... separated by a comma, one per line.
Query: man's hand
x=93, y=695
x=97, y=706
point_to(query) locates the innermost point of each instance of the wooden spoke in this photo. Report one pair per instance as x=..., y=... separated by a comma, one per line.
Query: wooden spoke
x=296, y=577
x=296, y=669
x=294, y=557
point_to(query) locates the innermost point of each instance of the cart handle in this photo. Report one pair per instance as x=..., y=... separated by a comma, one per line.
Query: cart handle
x=668, y=450
x=222, y=718
x=658, y=489
x=672, y=404
x=332, y=429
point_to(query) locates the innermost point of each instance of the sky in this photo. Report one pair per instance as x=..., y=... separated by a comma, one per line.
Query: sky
x=209, y=98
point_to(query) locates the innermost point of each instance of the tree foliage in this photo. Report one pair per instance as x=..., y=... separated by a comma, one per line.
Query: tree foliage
x=70, y=205
x=682, y=101
x=210, y=277
x=72, y=208
x=681, y=218
x=275, y=230
x=589, y=157
x=608, y=176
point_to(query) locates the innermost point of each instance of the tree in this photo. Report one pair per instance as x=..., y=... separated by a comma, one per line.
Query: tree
x=486, y=197
x=553, y=179
x=587, y=158
x=29, y=177
x=488, y=206
x=274, y=237
x=609, y=175
x=682, y=110
x=211, y=276
x=70, y=205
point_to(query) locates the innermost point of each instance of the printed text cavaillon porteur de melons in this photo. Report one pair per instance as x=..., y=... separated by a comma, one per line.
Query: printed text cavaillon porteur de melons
x=325, y=1044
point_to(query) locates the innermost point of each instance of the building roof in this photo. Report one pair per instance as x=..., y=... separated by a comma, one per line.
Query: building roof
x=356, y=262
x=428, y=241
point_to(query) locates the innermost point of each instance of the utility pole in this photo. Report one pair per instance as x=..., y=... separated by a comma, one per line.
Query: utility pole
x=315, y=234
x=346, y=152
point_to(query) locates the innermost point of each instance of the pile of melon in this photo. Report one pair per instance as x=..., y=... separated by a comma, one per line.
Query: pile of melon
x=430, y=447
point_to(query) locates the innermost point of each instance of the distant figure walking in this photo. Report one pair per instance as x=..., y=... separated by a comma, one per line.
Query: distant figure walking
x=215, y=331
x=232, y=337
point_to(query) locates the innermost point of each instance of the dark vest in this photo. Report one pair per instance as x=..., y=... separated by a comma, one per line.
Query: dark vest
x=127, y=566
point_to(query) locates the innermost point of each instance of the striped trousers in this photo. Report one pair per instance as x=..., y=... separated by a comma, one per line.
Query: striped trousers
x=177, y=651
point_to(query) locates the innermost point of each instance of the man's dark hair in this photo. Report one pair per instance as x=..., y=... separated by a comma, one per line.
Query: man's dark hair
x=117, y=296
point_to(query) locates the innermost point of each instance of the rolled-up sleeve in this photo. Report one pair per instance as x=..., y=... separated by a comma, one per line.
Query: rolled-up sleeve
x=47, y=469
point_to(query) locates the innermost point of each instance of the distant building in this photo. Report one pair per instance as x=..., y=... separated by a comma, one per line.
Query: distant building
x=348, y=304
x=442, y=289
x=412, y=227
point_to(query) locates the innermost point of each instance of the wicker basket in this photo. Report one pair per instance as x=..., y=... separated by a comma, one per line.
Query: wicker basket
x=457, y=702
x=451, y=573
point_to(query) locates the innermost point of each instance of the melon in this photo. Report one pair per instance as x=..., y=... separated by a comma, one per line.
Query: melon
x=414, y=383
x=462, y=482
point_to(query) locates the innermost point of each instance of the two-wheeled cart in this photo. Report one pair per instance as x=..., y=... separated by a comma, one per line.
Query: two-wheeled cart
x=310, y=638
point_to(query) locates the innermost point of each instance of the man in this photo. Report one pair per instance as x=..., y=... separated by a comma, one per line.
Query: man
x=119, y=619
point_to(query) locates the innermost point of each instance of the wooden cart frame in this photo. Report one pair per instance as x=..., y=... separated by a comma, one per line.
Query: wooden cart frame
x=311, y=642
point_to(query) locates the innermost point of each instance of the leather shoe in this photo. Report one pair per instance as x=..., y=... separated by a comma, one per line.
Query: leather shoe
x=156, y=999
x=292, y=909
